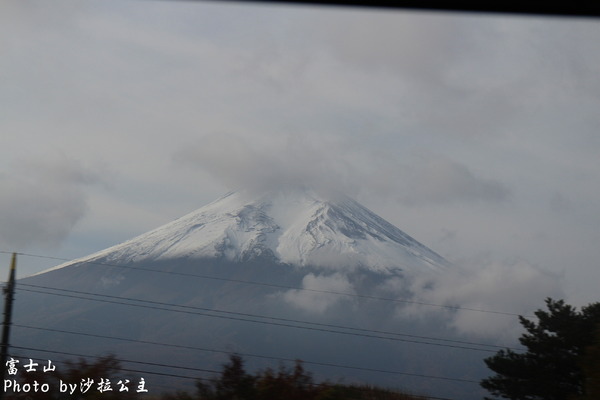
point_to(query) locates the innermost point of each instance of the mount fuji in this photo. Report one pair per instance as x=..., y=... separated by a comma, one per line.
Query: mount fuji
x=298, y=227
x=278, y=275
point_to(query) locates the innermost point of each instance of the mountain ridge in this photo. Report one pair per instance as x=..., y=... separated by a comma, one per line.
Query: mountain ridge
x=298, y=227
x=222, y=278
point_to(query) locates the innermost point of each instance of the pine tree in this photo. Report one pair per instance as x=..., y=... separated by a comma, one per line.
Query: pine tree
x=590, y=364
x=551, y=368
x=233, y=384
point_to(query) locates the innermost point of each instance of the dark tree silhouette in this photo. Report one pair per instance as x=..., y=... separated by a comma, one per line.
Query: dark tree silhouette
x=284, y=384
x=233, y=384
x=551, y=368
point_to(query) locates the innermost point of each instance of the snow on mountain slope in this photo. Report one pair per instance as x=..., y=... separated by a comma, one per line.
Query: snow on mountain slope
x=293, y=226
x=217, y=281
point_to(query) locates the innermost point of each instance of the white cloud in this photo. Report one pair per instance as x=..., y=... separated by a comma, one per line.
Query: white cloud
x=499, y=289
x=42, y=200
x=503, y=108
x=437, y=179
x=262, y=162
x=317, y=302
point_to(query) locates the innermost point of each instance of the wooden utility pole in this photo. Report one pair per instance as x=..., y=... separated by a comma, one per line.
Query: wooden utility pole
x=9, y=292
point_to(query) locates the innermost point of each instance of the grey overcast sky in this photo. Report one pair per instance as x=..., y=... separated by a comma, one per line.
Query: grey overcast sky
x=476, y=134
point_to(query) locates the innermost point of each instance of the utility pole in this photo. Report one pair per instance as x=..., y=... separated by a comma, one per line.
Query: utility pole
x=9, y=292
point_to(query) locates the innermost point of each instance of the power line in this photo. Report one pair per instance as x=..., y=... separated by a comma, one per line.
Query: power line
x=198, y=369
x=261, y=322
x=248, y=318
x=125, y=361
x=152, y=385
x=269, y=317
x=285, y=322
x=241, y=354
x=74, y=261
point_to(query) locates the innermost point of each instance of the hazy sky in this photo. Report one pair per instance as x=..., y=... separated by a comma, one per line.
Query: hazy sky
x=478, y=135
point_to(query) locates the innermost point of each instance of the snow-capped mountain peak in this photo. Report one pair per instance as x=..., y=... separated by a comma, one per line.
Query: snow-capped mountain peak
x=293, y=226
